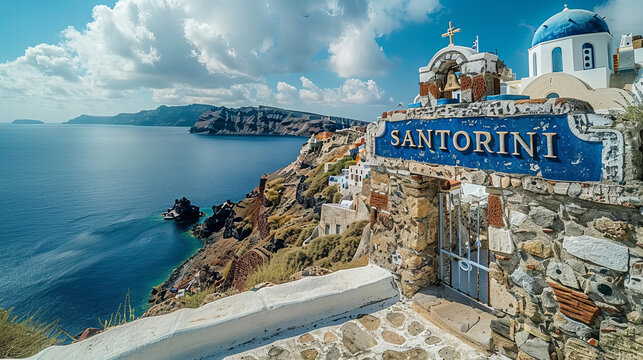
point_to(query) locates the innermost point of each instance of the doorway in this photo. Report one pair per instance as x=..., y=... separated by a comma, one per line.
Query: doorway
x=463, y=241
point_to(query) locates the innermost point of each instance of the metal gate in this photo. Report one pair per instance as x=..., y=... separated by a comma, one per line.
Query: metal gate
x=464, y=248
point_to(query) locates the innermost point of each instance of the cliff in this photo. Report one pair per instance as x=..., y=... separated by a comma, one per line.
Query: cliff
x=27, y=121
x=263, y=120
x=264, y=233
x=161, y=116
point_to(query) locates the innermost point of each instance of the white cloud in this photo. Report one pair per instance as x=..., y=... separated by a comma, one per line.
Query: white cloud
x=353, y=91
x=178, y=50
x=622, y=17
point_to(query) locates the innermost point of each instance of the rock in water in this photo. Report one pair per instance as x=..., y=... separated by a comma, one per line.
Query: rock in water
x=182, y=211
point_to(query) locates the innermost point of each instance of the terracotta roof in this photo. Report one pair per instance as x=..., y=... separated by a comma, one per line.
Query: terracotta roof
x=323, y=136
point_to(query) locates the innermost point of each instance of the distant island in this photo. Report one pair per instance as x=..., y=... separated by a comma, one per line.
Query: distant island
x=221, y=120
x=266, y=120
x=161, y=116
x=27, y=121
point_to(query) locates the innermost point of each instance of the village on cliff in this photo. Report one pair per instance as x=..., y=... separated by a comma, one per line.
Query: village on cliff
x=493, y=217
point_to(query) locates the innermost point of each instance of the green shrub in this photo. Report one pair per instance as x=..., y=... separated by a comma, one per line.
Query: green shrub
x=288, y=234
x=337, y=197
x=195, y=300
x=273, y=196
x=319, y=180
x=633, y=113
x=23, y=336
x=329, y=192
x=326, y=251
x=278, y=221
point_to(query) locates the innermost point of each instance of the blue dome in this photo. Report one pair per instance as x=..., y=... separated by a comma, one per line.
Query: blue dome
x=569, y=22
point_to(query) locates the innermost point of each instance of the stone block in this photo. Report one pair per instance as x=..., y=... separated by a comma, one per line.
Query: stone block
x=505, y=182
x=495, y=272
x=515, y=182
x=599, y=251
x=536, y=348
x=538, y=248
x=563, y=273
x=500, y=241
x=501, y=299
x=574, y=189
x=604, y=288
x=576, y=349
x=413, y=241
x=572, y=327
x=525, y=281
x=378, y=177
x=355, y=339
x=561, y=188
x=412, y=263
x=503, y=345
x=634, y=281
x=542, y=216
x=418, y=206
x=620, y=341
x=615, y=230
x=503, y=327
x=516, y=218
x=534, y=184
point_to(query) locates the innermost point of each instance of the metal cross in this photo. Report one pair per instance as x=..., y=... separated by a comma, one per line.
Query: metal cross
x=450, y=32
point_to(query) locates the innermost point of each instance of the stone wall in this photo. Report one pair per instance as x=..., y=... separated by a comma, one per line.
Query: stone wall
x=575, y=274
x=404, y=230
x=568, y=275
x=567, y=281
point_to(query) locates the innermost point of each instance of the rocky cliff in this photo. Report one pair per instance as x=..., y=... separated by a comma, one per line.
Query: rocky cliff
x=161, y=116
x=268, y=227
x=263, y=120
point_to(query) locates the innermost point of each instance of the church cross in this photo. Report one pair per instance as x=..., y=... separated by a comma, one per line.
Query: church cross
x=450, y=32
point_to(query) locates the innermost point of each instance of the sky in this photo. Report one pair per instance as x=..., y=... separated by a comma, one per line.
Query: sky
x=352, y=58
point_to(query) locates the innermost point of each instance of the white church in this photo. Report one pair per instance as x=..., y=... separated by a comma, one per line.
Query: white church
x=571, y=56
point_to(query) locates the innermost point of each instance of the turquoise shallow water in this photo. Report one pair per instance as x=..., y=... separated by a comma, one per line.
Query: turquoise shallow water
x=80, y=209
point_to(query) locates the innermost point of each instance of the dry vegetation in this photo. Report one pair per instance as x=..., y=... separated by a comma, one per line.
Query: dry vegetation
x=334, y=252
x=23, y=336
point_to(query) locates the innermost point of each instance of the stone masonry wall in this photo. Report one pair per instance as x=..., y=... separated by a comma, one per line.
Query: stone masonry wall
x=567, y=281
x=404, y=236
x=572, y=272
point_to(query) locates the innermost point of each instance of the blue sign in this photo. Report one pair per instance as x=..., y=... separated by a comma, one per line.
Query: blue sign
x=541, y=145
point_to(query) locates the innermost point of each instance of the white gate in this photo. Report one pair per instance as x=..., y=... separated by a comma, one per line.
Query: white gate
x=464, y=248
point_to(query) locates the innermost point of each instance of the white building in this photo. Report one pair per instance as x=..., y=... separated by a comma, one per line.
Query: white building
x=336, y=218
x=357, y=174
x=574, y=41
x=571, y=57
x=340, y=180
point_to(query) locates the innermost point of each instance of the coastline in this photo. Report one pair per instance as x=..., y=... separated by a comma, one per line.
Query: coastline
x=240, y=236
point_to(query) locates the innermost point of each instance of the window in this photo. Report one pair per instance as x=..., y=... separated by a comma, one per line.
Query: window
x=338, y=229
x=327, y=230
x=557, y=60
x=553, y=96
x=588, y=56
x=534, y=65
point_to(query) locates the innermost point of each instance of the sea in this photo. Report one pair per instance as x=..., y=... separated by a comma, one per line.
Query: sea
x=80, y=210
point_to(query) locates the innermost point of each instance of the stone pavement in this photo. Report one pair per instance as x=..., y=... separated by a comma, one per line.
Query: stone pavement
x=394, y=333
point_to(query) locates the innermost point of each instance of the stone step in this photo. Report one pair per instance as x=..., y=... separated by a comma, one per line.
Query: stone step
x=456, y=314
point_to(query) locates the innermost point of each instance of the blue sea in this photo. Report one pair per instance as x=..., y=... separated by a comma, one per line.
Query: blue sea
x=80, y=209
